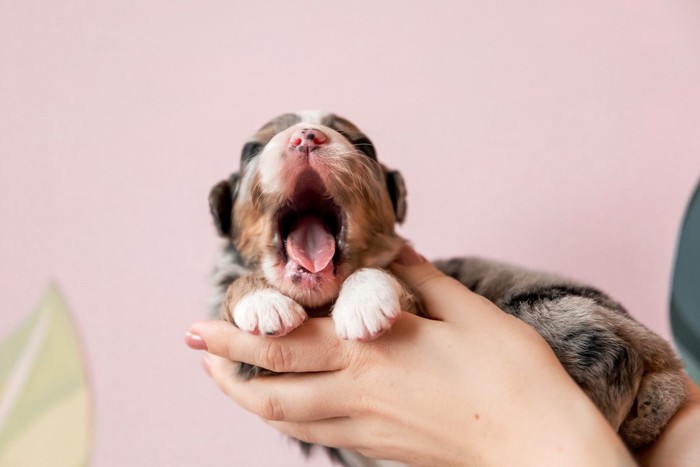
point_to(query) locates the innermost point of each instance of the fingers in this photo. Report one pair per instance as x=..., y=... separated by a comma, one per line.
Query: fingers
x=310, y=348
x=366, y=436
x=289, y=397
x=338, y=432
x=444, y=298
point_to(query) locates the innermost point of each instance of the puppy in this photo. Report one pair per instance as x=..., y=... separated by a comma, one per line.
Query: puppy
x=309, y=222
x=311, y=219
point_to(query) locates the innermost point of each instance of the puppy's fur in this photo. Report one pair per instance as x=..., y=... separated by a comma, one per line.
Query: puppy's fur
x=335, y=200
x=338, y=191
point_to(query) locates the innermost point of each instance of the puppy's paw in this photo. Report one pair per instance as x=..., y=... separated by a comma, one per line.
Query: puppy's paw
x=268, y=312
x=368, y=304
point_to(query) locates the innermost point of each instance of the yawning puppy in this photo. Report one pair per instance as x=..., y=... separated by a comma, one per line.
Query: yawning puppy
x=309, y=222
x=311, y=216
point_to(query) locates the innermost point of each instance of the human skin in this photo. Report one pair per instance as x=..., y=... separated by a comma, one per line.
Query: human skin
x=473, y=386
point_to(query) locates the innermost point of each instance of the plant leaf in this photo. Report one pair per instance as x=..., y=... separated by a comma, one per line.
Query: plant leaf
x=44, y=398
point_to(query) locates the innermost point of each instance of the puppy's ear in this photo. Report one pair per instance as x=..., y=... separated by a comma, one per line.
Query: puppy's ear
x=250, y=150
x=397, y=192
x=221, y=199
x=363, y=144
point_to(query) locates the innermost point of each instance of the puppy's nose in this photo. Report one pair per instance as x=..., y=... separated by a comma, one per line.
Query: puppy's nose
x=307, y=139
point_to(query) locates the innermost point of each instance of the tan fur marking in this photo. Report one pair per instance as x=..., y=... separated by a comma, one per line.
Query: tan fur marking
x=239, y=289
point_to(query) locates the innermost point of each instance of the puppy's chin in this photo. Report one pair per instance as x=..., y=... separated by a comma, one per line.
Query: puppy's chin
x=309, y=289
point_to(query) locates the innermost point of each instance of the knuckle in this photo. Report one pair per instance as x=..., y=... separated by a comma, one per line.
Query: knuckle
x=271, y=408
x=276, y=357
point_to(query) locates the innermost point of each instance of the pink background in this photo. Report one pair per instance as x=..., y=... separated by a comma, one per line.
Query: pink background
x=564, y=137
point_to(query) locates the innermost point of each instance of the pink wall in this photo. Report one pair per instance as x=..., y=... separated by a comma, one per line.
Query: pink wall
x=561, y=137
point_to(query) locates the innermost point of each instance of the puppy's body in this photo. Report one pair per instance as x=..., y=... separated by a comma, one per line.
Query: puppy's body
x=630, y=373
x=309, y=221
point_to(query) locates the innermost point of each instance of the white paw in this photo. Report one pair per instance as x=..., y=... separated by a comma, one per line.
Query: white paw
x=368, y=304
x=268, y=312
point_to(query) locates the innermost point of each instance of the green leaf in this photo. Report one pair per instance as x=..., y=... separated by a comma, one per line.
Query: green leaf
x=44, y=398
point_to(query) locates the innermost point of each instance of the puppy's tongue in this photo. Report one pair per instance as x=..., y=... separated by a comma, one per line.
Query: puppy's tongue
x=310, y=245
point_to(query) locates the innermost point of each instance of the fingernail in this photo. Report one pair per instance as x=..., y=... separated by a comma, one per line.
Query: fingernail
x=195, y=342
x=409, y=257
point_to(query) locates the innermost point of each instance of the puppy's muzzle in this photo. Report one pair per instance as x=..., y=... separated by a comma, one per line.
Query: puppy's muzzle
x=306, y=140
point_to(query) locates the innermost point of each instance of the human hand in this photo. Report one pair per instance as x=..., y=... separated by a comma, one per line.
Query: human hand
x=474, y=386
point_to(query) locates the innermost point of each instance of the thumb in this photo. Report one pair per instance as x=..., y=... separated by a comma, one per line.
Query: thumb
x=443, y=297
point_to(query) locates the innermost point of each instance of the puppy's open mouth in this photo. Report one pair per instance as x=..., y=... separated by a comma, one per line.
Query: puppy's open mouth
x=310, y=226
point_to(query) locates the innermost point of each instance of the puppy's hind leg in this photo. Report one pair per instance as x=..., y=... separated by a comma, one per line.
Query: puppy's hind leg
x=659, y=397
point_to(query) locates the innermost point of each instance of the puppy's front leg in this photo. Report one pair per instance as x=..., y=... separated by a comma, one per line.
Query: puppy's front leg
x=369, y=302
x=254, y=306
